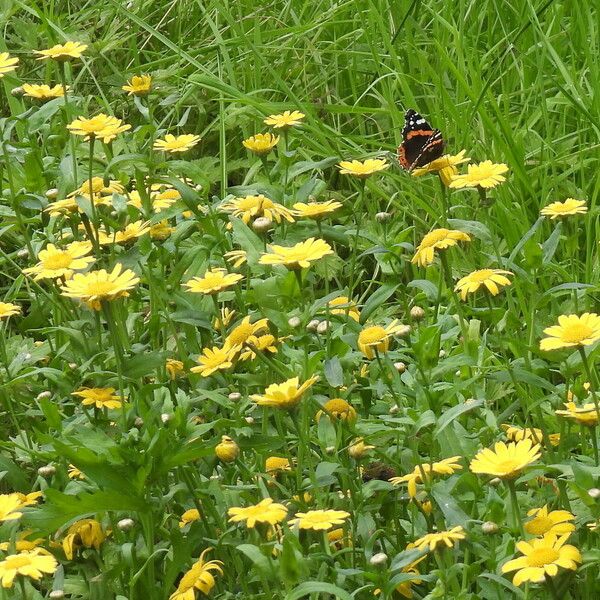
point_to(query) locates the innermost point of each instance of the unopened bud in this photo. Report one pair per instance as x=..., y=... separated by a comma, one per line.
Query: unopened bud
x=294, y=322
x=166, y=417
x=72, y=366
x=227, y=450
x=235, y=396
x=594, y=493
x=442, y=353
x=139, y=422
x=23, y=253
x=417, y=313
x=312, y=325
x=47, y=471
x=44, y=395
x=126, y=524
x=496, y=481
x=330, y=450
x=489, y=527
x=400, y=367
x=403, y=330
x=249, y=420
x=262, y=225
x=56, y=594
x=322, y=327
x=382, y=217
x=18, y=91
x=378, y=559
x=52, y=194
x=394, y=409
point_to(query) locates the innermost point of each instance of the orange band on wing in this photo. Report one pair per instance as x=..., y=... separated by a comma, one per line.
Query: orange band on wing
x=420, y=132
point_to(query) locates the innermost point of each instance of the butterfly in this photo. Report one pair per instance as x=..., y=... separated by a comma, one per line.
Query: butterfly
x=420, y=143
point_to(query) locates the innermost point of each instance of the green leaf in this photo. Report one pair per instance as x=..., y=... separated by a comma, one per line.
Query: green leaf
x=455, y=412
x=376, y=300
x=260, y=561
x=333, y=372
x=318, y=587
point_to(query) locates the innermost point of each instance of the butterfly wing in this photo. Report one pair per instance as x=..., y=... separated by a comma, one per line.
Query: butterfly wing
x=420, y=143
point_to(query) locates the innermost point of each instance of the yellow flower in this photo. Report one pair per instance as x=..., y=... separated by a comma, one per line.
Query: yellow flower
x=423, y=472
x=357, y=448
x=491, y=279
x=101, y=126
x=564, y=209
x=277, y=464
x=215, y=359
x=362, y=169
x=161, y=230
x=284, y=120
x=63, y=52
x=133, y=231
x=261, y=143
x=438, y=239
x=189, y=516
x=298, y=256
x=199, y=577
x=315, y=210
x=174, y=368
x=245, y=331
x=139, y=85
x=337, y=408
x=555, y=521
x=343, y=306
x=431, y=541
x=338, y=538
x=29, y=499
x=102, y=194
x=223, y=320
x=22, y=543
x=30, y=563
x=585, y=415
x=542, y=556
x=99, y=397
x=236, y=258
x=516, y=434
x=506, y=460
x=572, y=330
x=227, y=450
x=87, y=533
x=485, y=175
x=7, y=309
x=54, y=262
x=74, y=473
x=375, y=338
x=97, y=286
x=179, y=143
x=213, y=281
x=62, y=207
x=7, y=63
x=319, y=520
x=43, y=91
x=445, y=166
x=266, y=511
x=160, y=199
x=9, y=507
x=252, y=207
x=284, y=395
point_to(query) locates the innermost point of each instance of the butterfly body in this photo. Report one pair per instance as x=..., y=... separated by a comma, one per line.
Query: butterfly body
x=421, y=144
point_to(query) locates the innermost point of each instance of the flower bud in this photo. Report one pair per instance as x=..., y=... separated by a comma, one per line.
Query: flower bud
x=394, y=409
x=400, y=367
x=403, y=330
x=489, y=527
x=358, y=448
x=17, y=92
x=330, y=450
x=44, y=395
x=312, y=325
x=126, y=524
x=72, y=366
x=139, y=422
x=382, y=217
x=322, y=327
x=294, y=322
x=235, y=396
x=378, y=559
x=496, y=481
x=262, y=225
x=227, y=450
x=417, y=313
x=249, y=420
x=47, y=471
x=52, y=194
x=442, y=353
x=166, y=417
x=56, y=594
x=23, y=253
x=594, y=493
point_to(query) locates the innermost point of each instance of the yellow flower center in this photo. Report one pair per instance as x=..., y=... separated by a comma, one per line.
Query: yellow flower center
x=542, y=556
x=508, y=466
x=100, y=288
x=372, y=335
x=576, y=332
x=482, y=275
x=59, y=260
x=240, y=334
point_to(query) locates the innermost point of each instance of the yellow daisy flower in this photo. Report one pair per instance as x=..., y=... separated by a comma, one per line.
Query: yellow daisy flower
x=299, y=256
x=236, y=258
x=7, y=309
x=199, y=577
x=9, y=507
x=189, y=516
x=87, y=533
x=251, y=207
x=572, y=331
x=261, y=143
x=54, y=262
x=277, y=464
x=62, y=52
x=516, y=434
x=445, y=166
x=315, y=210
x=438, y=239
x=506, y=461
x=99, y=397
x=555, y=521
x=342, y=306
x=431, y=541
x=101, y=126
x=138, y=85
x=319, y=520
x=485, y=175
x=564, y=209
x=8, y=63
x=362, y=169
x=284, y=120
x=161, y=231
x=542, y=557
x=43, y=91
x=491, y=279
x=583, y=415
x=174, y=368
x=375, y=338
x=245, y=331
x=284, y=395
x=266, y=511
x=174, y=144
x=29, y=563
x=213, y=281
x=423, y=472
x=357, y=448
x=337, y=408
x=215, y=359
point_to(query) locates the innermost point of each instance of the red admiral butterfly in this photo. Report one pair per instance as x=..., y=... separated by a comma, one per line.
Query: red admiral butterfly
x=420, y=143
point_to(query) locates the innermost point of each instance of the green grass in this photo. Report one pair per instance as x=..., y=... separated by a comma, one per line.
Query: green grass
x=516, y=83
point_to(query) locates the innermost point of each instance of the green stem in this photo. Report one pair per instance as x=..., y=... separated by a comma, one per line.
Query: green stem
x=63, y=80
x=514, y=505
x=357, y=219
